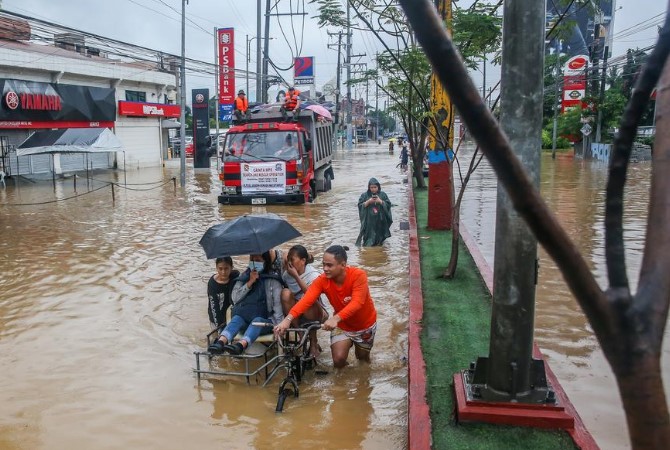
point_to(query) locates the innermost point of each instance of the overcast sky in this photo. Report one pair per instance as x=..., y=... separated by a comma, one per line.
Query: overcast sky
x=156, y=24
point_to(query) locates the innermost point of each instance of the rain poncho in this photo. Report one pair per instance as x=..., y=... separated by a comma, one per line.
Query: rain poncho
x=376, y=219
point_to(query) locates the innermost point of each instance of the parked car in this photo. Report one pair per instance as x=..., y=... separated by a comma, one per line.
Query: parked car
x=175, y=143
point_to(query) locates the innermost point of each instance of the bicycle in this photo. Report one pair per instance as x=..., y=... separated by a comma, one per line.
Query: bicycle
x=294, y=358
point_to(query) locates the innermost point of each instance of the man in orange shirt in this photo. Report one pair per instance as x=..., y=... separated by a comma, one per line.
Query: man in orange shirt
x=354, y=322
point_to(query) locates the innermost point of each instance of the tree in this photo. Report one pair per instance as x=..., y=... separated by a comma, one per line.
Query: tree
x=629, y=327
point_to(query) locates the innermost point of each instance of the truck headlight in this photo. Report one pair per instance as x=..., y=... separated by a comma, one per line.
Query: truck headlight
x=293, y=189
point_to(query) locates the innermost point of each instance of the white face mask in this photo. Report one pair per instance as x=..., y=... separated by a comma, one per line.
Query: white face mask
x=256, y=265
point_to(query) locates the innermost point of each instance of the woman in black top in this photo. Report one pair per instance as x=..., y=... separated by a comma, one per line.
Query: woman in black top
x=219, y=287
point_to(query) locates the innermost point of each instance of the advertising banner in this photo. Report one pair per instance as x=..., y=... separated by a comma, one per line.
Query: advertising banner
x=588, y=31
x=265, y=178
x=24, y=101
x=200, y=99
x=226, y=41
x=303, y=70
x=142, y=109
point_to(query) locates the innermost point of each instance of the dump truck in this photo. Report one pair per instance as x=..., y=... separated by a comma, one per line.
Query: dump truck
x=267, y=160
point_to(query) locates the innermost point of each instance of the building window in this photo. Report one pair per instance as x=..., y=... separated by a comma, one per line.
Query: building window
x=136, y=96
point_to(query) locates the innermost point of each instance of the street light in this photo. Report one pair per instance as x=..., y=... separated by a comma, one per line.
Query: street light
x=258, y=59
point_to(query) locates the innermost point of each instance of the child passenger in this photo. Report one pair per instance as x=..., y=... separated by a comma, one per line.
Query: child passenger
x=298, y=276
x=219, y=288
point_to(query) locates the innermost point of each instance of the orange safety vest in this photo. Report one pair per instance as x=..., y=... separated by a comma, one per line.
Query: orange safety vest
x=241, y=104
x=291, y=101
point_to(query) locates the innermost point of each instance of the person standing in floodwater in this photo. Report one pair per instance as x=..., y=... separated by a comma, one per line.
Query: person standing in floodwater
x=374, y=212
x=354, y=322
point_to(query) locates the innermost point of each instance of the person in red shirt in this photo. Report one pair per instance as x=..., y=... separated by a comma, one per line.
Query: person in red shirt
x=354, y=321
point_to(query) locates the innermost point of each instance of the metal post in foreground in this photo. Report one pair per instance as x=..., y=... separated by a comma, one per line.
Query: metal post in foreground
x=510, y=374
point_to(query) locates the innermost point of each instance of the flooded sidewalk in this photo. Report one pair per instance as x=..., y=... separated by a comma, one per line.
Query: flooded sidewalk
x=104, y=302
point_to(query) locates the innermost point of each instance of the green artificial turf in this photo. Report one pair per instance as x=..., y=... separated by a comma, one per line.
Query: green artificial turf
x=456, y=321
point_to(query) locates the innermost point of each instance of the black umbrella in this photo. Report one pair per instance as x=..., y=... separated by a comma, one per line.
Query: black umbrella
x=251, y=234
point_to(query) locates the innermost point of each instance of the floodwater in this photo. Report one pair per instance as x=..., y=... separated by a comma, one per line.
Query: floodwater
x=103, y=304
x=575, y=191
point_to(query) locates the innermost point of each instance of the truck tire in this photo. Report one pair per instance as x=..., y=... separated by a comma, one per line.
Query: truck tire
x=312, y=191
x=328, y=182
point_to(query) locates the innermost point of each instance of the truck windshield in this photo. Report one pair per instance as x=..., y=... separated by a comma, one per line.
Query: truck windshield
x=262, y=146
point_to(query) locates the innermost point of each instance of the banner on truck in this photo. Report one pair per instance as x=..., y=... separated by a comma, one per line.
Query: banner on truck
x=226, y=42
x=265, y=178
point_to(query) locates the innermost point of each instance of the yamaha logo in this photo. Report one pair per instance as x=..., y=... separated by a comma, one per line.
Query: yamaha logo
x=199, y=98
x=12, y=100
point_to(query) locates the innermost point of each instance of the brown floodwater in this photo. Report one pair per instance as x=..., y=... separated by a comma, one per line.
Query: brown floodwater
x=103, y=304
x=575, y=191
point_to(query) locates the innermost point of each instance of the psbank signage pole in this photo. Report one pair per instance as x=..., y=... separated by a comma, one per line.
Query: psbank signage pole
x=226, y=45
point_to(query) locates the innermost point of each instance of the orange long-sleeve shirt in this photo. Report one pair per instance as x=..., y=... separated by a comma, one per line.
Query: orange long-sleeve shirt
x=357, y=314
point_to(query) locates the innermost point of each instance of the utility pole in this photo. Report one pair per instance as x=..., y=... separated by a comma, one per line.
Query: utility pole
x=349, y=137
x=266, y=50
x=557, y=70
x=247, y=58
x=510, y=373
x=377, y=81
x=484, y=81
x=601, y=100
x=259, y=59
x=182, y=90
x=337, y=83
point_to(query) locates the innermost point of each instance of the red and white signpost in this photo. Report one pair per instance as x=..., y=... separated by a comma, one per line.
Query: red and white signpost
x=574, y=82
x=226, y=44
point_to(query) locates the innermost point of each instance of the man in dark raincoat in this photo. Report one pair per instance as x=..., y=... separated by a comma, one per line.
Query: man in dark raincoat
x=374, y=210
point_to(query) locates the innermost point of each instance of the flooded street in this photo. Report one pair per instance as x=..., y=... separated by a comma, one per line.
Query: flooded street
x=103, y=304
x=575, y=191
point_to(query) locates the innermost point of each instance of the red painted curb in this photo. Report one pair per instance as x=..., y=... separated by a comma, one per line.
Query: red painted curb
x=419, y=436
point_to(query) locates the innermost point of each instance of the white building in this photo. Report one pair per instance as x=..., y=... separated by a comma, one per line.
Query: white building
x=66, y=83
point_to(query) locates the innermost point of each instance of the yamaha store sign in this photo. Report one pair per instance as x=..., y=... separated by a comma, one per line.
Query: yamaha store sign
x=27, y=106
x=30, y=104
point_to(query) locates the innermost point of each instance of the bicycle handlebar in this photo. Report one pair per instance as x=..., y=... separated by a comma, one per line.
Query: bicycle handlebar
x=305, y=329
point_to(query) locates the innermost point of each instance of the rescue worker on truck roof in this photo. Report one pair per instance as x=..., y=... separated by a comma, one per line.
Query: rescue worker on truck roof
x=241, y=107
x=291, y=103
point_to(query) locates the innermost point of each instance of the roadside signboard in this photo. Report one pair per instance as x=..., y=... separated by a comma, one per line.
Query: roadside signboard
x=574, y=82
x=303, y=70
x=226, y=52
x=586, y=129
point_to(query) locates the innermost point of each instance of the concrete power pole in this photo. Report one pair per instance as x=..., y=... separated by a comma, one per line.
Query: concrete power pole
x=182, y=90
x=601, y=100
x=266, y=50
x=338, y=121
x=510, y=374
x=348, y=63
x=259, y=58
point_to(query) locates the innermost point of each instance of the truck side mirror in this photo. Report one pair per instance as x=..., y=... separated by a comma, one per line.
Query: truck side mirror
x=308, y=144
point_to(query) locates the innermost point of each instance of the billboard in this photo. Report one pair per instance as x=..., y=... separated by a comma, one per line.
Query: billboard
x=303, y=70
x=589, y=29
x=226, y=51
